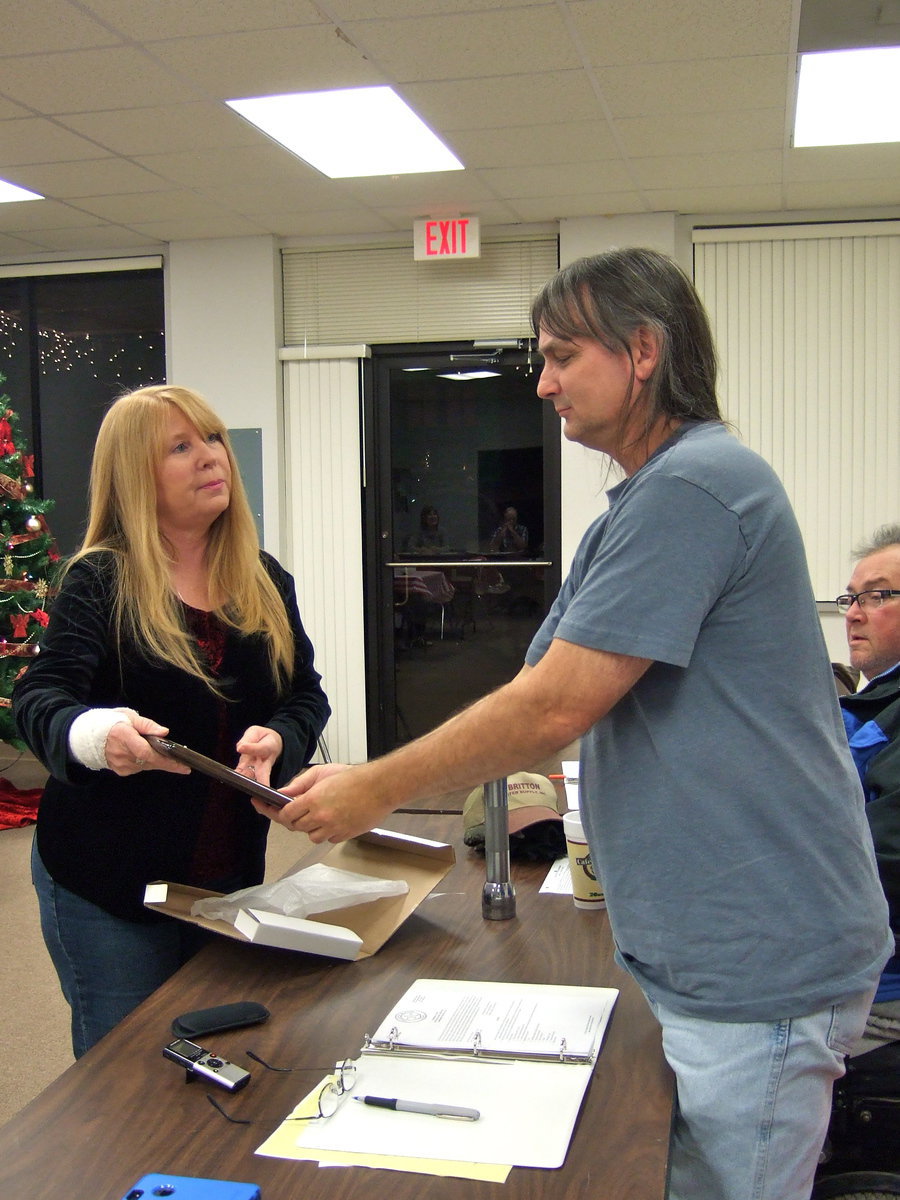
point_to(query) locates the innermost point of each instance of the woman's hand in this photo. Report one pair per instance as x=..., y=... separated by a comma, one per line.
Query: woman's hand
x=127, y=753
x=259, y=748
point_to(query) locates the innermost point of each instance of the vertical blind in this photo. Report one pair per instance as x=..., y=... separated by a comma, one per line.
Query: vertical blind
x=379, y=294
x=325, y=537
x=807, y=325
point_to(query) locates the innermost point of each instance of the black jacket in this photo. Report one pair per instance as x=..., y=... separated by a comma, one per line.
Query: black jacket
x=876, y=747
x=104, y=837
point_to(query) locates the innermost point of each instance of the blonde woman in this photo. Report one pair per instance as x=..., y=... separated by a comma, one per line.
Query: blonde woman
x=170, y=620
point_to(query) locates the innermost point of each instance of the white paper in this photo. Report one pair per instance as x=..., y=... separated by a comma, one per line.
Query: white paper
x=572, y=772
x=528, y=1111
x=558, y=881
x=511, y=1018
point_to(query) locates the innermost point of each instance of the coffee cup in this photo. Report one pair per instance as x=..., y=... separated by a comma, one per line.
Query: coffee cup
x=586, y=889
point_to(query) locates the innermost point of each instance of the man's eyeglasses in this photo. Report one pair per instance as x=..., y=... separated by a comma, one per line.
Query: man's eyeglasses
x=333, y=1092
x=871, y=598
x=327, y=1100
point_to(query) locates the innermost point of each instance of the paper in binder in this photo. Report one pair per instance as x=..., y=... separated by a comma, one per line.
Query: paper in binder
x=532, y=1022
x=522, y=1054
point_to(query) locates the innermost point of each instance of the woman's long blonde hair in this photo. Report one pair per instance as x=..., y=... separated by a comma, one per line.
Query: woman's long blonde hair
x=122, y=519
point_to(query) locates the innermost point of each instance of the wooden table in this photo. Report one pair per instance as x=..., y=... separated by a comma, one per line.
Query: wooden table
x=123, y=1110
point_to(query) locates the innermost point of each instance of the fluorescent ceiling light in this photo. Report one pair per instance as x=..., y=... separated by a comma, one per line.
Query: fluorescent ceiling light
x=350, y=132
x=848, y=97
x=10, y=193
x=459, y=375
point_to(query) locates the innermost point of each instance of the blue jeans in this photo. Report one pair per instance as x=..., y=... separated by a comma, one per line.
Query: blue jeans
x=753, y=1100
x=106, y=966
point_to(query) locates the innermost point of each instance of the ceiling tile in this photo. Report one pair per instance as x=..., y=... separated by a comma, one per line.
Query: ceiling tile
x=510, y=100
x=728, y=170
x=175, y=18
x=718, y=85
x=329, y=223
x=528, y=145
x=17, y=246
x=695, y=133
x=96, y=177
x=52, y=25
x=269, y=62
x=42, y=214
x=360, y=10
x=36, y=140
x=572, y=179
x=715, y=199
x=593, y=204
x=150, y=206
x=221, y=166
x=825, y=163
x=201, y=227
x=91, y=80
x=843, y=193
x=615, y=34
x=443, y=47
x=490, y=213
x=166, y=129
x=558, y=108
x=462, y=189
x=97, y=237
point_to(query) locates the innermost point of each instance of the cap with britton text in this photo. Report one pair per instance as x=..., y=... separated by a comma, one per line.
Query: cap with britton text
x=535, y=825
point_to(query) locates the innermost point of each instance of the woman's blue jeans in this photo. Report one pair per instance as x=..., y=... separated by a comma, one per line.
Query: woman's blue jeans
x=106, y=966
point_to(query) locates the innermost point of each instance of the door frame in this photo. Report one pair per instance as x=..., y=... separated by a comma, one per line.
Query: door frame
x=377, y=515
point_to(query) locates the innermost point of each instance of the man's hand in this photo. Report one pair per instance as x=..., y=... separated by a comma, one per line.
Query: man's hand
x=333, y=802
x=537, y=713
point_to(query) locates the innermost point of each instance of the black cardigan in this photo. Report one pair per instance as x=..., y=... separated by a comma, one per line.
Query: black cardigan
x=103, y=836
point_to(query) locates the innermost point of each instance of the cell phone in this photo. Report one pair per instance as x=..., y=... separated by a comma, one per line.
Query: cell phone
x=207, y=1065
x=209, y=766
x=186, y=1187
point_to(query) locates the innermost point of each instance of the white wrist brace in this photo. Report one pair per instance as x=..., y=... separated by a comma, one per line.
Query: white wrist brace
x=89, y=731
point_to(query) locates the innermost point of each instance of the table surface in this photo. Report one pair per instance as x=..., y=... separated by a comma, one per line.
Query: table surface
x=123, y=1111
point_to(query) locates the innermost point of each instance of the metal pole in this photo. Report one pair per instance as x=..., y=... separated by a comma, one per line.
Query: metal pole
x=498, y=898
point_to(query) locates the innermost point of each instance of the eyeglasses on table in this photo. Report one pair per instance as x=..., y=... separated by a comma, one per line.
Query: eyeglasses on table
x=327, y=1101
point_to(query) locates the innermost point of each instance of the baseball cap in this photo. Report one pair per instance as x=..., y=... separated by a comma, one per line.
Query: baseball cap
x=535, y=825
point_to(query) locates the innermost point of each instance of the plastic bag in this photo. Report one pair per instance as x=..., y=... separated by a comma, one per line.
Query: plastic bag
x=315, y=889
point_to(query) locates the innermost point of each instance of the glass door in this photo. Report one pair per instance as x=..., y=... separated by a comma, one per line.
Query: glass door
x=462, y=529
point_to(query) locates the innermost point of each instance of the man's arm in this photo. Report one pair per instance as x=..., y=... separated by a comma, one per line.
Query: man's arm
x=540, y=711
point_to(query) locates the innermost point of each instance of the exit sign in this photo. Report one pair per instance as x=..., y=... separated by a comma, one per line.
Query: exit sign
x=455, y=237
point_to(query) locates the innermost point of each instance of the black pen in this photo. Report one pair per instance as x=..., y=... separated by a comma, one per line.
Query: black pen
x=418, y=1106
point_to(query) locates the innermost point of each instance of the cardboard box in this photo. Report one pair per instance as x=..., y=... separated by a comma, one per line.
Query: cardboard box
x=348, y=933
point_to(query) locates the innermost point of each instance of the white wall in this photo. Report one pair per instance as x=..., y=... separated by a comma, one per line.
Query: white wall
x=223, y=334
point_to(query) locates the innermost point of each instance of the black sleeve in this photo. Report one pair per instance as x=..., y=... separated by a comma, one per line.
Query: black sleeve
x=61, y=681
x=883, y=812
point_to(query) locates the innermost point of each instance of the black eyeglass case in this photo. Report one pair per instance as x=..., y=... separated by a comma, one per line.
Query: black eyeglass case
x=222, y=1016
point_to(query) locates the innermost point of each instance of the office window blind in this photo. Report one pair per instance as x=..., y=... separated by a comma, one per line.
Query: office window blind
x=379, y=294
x=807, y=324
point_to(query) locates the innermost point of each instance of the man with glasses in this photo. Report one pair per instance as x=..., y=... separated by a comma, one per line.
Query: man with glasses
x=871, y=608
x=717, y=791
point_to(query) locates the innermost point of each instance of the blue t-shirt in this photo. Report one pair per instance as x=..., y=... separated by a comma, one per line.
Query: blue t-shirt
x=720, y=801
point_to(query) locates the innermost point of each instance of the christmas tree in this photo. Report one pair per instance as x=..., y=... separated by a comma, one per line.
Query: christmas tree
x=28, y=559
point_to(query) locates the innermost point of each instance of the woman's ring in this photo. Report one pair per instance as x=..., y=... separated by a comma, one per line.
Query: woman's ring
x=139, y=762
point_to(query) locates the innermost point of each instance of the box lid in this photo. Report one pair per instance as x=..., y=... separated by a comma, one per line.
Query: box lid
x=421, y=863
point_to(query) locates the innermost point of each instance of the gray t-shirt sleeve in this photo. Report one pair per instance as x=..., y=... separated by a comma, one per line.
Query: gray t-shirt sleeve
x=648, y=573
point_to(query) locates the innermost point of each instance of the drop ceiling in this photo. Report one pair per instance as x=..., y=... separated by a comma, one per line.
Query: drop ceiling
x=113, y=109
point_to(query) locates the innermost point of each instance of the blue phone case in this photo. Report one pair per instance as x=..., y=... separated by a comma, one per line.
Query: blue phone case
x=184, y=1187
